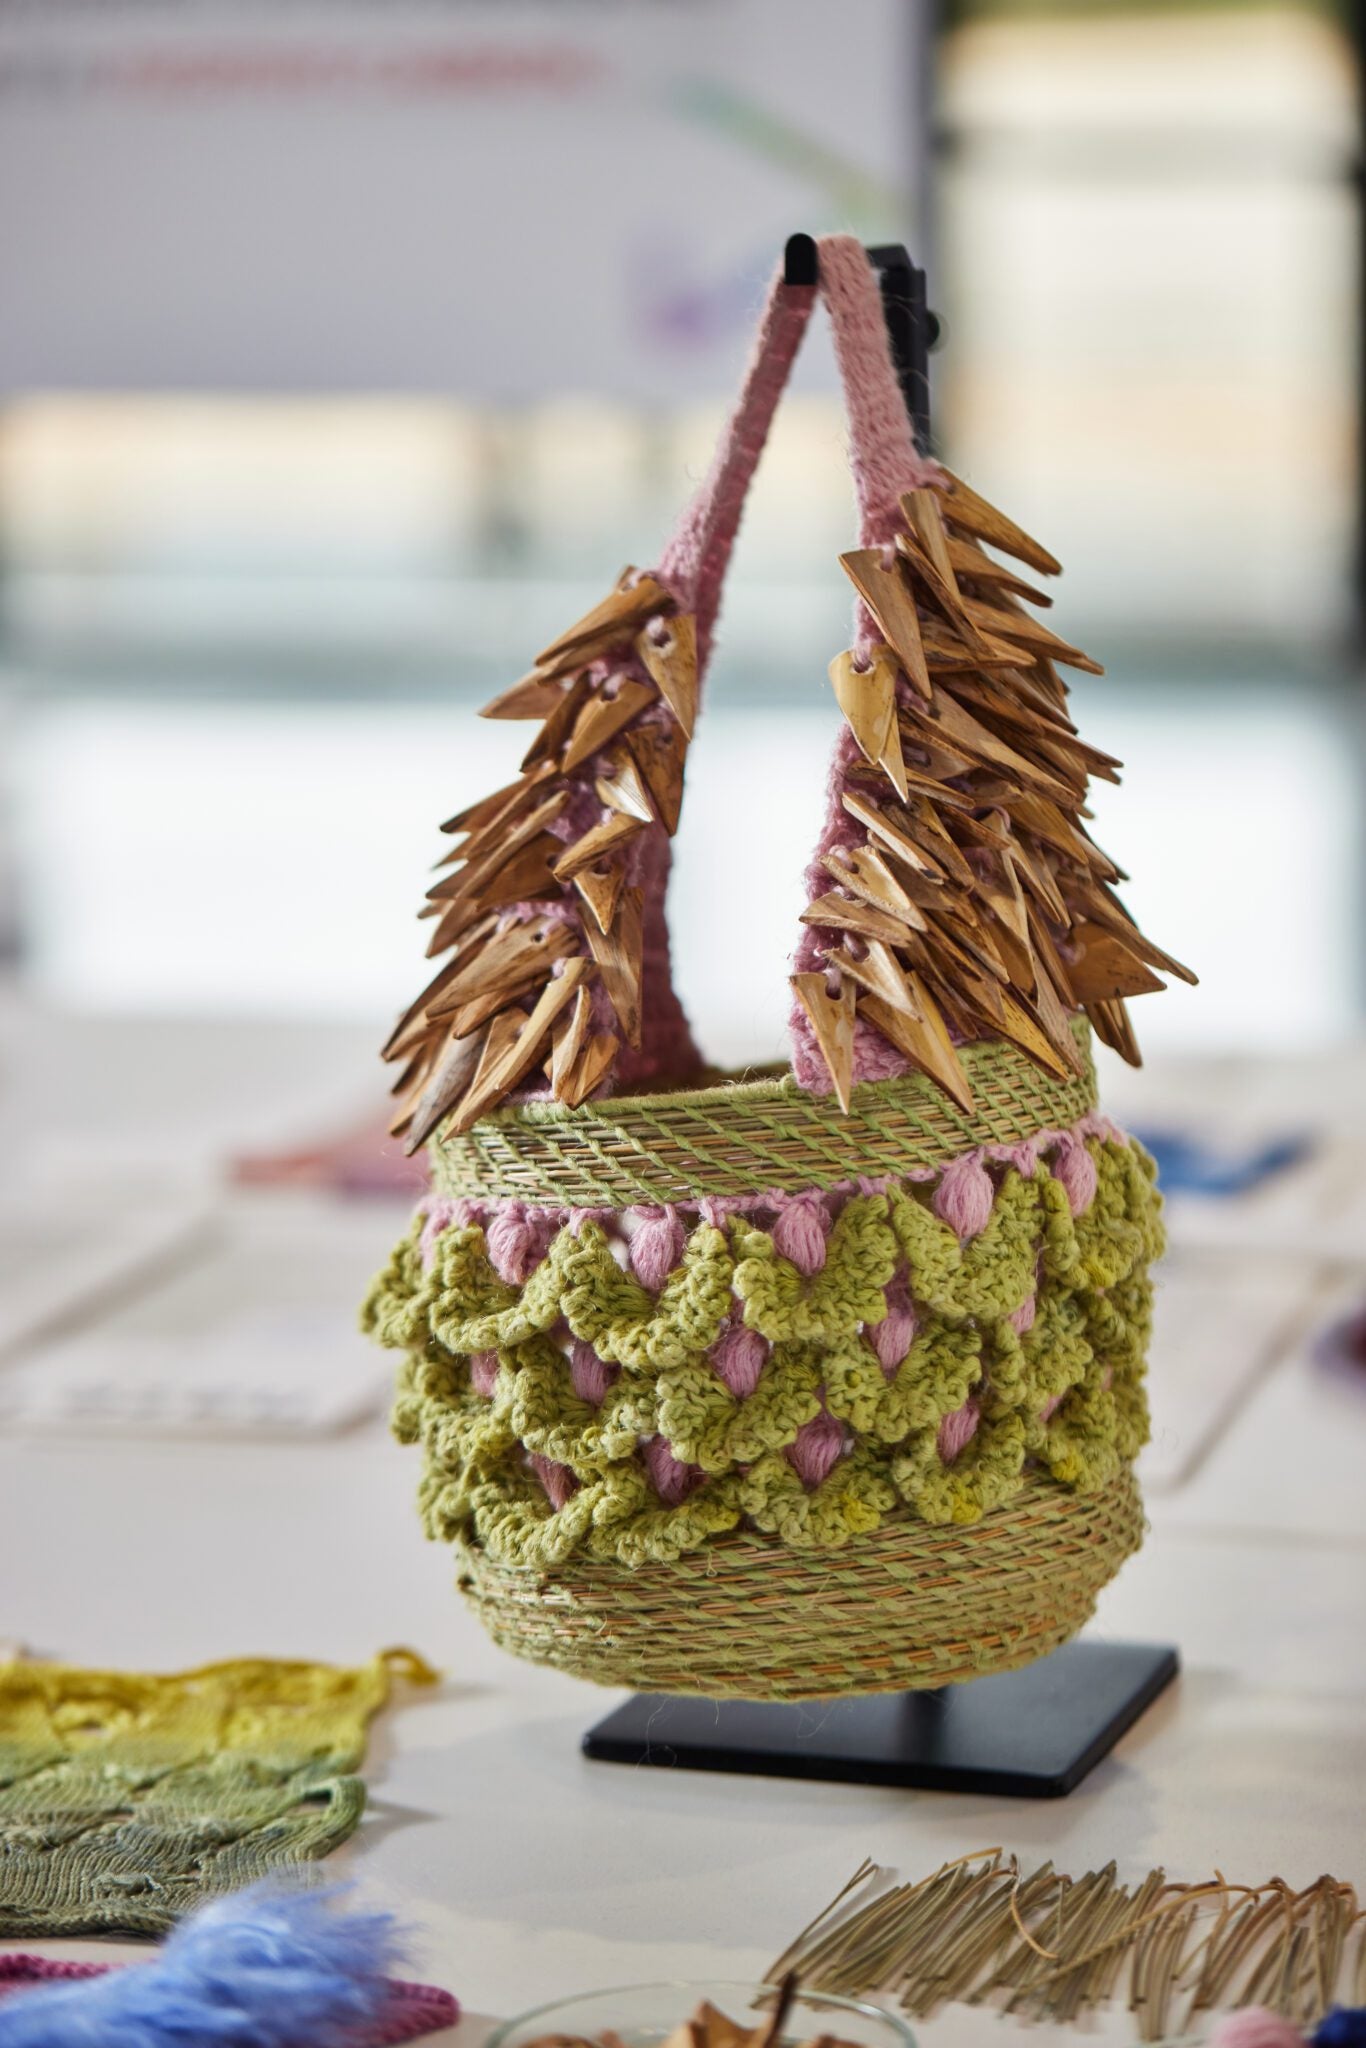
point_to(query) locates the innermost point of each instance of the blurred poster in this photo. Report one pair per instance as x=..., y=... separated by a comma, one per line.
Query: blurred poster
x=487, y=197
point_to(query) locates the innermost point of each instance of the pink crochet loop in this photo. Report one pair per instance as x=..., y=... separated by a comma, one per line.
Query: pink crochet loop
x=1022, y=1318
x=892, y=1337
x=484, y=1372
x=558, y=1481
x=18, y=1970
x=956, y=1430
x=815, y=1450
x=1255, y=2027
x=672, y=1480
x=592, y=1376
x=656, y=1239
x=1076, y=1169
x=964, y=1197
x=739, y=1356
x=800, y=1229
x=1051, y=1407
x=517, y=1242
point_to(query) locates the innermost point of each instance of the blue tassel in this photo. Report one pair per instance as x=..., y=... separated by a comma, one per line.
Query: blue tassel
x=1343, y=2028
x=263, y=1968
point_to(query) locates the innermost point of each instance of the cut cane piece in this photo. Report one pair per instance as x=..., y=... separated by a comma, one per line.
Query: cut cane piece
x=889, y=597
x=1105, y=969
x=865, y=874
x=867, y=697
x=615, y=619
x=832, y=1021
x=623, y=788
x=535, y=696
x=1111, y=1021
x=455, y=1070
x=602, y=718
x=964, y=508
x=668, y=649
x=975, y=565
x=660, y=752
x=923, y=1039
x=893, y=835
x=517, y=1052
x=591, y=1069
x=601, y=890
x=878, y=972
x=619, y=954
x=1031, y=633
x=570, y=1040
x=923, y=511
x=596, y=844
x=842, y=914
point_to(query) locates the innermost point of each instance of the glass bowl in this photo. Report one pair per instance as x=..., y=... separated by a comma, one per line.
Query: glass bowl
x=646, y=2014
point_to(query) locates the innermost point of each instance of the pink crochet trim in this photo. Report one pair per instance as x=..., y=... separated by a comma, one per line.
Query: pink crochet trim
x=518, y=1234
x=412, y=2009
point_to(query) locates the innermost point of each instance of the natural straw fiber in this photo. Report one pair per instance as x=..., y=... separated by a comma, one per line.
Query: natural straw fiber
x=909, y=1606
x=745, y=1135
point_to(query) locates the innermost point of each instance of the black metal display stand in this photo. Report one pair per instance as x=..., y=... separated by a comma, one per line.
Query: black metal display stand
x=1029, y=1734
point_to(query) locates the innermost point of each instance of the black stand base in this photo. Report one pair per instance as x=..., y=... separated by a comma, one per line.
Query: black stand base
x=1030, y=1734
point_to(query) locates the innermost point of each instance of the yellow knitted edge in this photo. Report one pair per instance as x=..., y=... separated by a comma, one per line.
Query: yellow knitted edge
x=1088, y=1276
x=743, y=1135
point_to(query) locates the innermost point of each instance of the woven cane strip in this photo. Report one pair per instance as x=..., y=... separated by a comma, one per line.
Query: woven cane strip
x=909, y=1607
x=743, y=1136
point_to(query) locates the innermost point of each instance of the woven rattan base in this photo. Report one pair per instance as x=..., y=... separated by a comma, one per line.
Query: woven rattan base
x=907, y=1607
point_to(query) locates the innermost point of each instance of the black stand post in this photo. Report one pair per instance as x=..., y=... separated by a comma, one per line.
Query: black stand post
x=1029, y=1734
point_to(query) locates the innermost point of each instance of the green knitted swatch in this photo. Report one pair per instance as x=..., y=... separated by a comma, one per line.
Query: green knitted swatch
x=127, y=1799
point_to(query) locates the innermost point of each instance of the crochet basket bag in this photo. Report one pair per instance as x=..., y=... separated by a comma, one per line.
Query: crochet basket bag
x=813, y=1383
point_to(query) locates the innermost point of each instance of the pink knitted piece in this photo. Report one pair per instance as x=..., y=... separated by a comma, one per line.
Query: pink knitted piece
x=739, y=1356
x=410, y=2011
x=559, y=1482
x=957, y=1429
x=671, y=1479
x=1255, y=2027
x=815, y=1450
x=1076, y=1169
x=592, y=1376
x=893, y=1336
x=800, y=1229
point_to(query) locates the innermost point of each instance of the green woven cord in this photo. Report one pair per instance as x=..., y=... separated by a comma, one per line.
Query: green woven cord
x=1064, y=1400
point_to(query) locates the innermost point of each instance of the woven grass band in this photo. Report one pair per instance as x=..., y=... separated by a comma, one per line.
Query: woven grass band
x=742, y=1136
x=910, y=1607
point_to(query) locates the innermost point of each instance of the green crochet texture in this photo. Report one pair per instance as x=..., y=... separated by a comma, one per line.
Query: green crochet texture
x=1087, y=1346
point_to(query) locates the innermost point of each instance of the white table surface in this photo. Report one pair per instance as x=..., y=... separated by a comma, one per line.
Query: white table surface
x=524, y=1871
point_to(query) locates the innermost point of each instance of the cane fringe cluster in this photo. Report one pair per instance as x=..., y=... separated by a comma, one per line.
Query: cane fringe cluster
x=1055, y=1949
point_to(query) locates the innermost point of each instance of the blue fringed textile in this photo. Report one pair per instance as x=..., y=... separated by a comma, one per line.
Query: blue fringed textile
x=1344, y=2027
x=264, y=1968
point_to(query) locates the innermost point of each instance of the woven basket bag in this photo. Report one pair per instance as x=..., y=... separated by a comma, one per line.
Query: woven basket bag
x=820, y=1382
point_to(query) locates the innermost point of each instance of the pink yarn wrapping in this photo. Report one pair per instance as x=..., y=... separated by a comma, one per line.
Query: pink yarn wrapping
x=1021, y=1319
x=964, y=1196
x=411, y=2010
x=484, y=1373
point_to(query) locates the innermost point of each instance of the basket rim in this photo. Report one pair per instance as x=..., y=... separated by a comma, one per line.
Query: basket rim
x=738, y=1136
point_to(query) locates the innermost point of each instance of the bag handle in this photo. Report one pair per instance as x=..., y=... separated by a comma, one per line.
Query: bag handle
x=882, y=453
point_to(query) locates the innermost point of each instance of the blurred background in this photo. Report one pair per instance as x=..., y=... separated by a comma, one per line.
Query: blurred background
x=349, y=349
